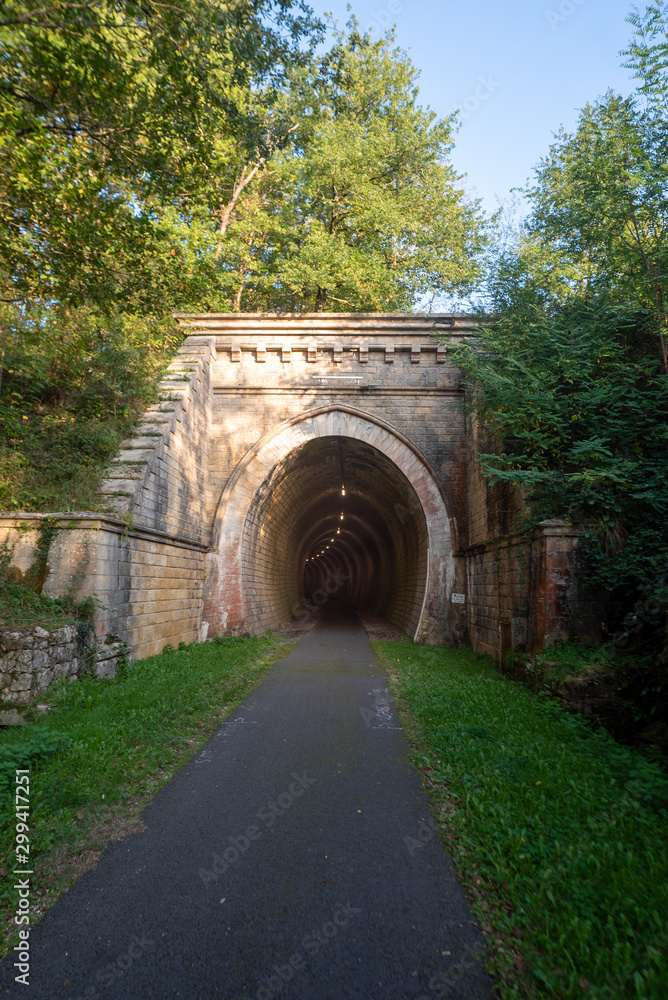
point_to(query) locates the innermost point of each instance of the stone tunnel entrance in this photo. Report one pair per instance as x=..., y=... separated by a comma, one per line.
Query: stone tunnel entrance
x=332, y=503
x=225, y=506
x=336, y=518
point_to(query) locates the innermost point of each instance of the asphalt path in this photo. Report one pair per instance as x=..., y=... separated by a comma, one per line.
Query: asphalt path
x=294, y=857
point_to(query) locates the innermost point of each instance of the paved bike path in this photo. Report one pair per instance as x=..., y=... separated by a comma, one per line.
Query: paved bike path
x=294, y=857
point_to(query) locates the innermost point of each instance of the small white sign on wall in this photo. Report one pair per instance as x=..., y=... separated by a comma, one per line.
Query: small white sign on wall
x=458, y=598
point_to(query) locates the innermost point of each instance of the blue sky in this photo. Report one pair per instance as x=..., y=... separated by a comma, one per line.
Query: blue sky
x=521, y=70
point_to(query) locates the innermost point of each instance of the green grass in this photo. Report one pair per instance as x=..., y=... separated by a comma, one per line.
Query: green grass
x=23, y=607
x=560, y=835
x=22, y=603
x=106, y=746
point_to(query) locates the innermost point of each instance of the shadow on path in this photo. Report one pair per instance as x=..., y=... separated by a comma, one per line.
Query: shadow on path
x=294, y=857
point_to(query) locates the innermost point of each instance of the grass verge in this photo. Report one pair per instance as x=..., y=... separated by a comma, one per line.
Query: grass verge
x=559, y=834
x=105, y=748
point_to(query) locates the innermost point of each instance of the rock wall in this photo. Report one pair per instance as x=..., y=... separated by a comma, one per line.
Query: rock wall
x=31, y=660
x=160, y=477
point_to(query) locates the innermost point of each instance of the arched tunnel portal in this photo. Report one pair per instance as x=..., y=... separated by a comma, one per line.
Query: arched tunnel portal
x=336, y=518
x=334, y=503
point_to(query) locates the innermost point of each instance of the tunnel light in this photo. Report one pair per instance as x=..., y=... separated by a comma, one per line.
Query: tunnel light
x=342, y=517
x=331, y=539
x=338, y=531
x=343, y=491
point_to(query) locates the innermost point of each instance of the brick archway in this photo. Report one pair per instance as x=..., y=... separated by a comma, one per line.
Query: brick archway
x=238, y=597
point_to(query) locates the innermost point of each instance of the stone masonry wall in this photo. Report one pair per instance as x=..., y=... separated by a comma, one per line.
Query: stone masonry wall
x=498, y=596
x=148, y=585
x=160, y=477
x=522, y=591
x=270, y=371
x=414, y=388
x=31, y=660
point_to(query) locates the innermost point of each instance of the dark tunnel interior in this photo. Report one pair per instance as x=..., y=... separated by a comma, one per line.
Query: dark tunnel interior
x=335, y=519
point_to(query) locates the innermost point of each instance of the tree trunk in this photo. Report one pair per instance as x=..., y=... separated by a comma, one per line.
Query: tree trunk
x=237, y=298
x=237, y=191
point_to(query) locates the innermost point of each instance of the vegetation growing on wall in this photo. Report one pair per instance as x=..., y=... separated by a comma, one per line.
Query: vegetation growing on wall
x=74, y=381
x=572, y=374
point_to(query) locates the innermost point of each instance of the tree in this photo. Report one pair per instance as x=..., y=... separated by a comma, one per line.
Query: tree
x=647, y=53
x=600, y=203
x=111, y=116
x=570, y=374
x=577, y=400
x=361, y=211
x=118, y=120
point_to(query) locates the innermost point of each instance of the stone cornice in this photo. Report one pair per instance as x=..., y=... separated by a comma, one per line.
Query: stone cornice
x=309, y=326
x=97, y=521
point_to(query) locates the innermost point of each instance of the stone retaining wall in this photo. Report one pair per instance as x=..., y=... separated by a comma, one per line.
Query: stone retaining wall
x=148, y=585
x=31, y=660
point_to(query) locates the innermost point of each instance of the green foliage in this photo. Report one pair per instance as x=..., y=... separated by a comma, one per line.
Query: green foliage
x=362, y=210
x=37, y=747
x=624, y=692
x=73, y=382
x=570, y=376
x=577, y=398
x=105, y=742
x=558, y=832
x=647, y=53
x=600, y=208
x=112, y=113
